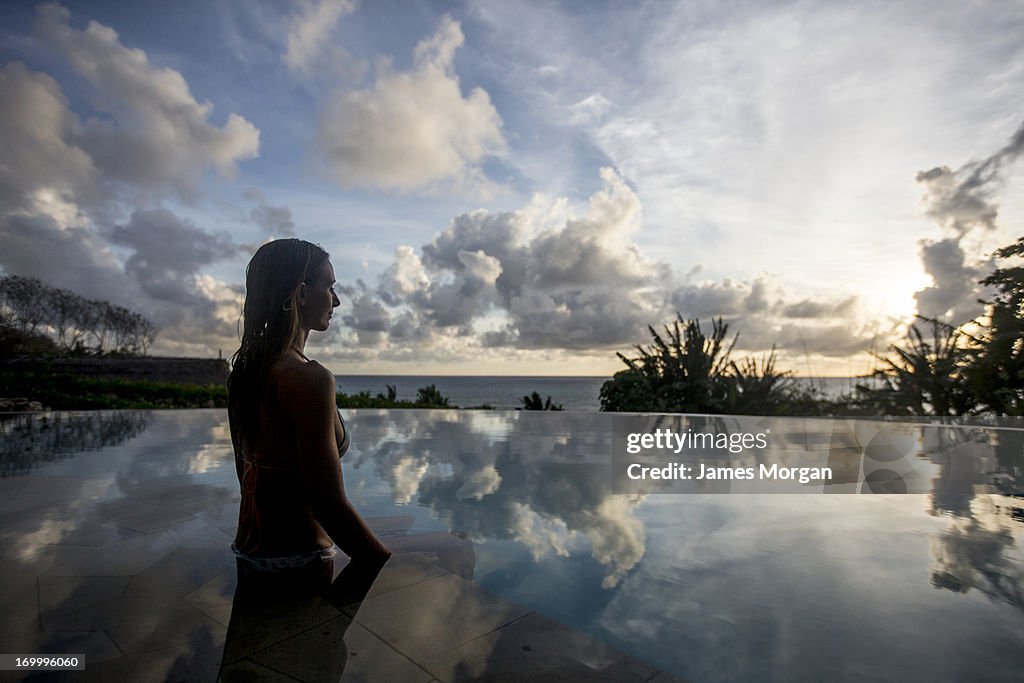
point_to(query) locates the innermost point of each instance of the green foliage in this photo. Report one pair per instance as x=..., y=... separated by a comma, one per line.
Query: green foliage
x=15, y=342
x=535, y=402
x=75, y=392
x=995, y=373
x=426, y=397
x=429, y=396
x=688, y=371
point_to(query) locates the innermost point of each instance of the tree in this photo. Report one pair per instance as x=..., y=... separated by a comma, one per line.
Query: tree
x=995, y=373
x=33, y=308
x=431, y=397
x=688, y=371
x=923, y=378
x=961, y=372
x=534, y=402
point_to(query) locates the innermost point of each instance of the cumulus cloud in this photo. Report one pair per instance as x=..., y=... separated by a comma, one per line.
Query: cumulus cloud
x=168, y=253
x=954, y=294
x=158, y=134
x=71, y=189
x=961, y=202
x=522, y=281
x=368, y=318
x=726, y=298
x=38, y=149
x=412, y=129
x=310, y=28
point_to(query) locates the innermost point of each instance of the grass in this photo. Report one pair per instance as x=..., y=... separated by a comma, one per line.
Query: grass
x=74, y=392
x=62, y=391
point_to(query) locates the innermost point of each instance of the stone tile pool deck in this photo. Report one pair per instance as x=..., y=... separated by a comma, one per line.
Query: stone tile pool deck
x=116, y=528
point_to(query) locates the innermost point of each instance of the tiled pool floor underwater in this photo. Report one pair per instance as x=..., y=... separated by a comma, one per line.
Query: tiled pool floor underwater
x=136, y=573
x=115, y=530
x=157, y=605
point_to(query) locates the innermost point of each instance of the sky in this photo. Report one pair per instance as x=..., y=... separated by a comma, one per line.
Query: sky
x=520, y=188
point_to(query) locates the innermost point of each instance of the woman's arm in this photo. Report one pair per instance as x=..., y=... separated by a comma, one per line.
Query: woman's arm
x=308, y=399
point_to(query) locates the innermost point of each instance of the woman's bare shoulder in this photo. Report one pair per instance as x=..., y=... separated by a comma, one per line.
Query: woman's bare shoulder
x=299, y=380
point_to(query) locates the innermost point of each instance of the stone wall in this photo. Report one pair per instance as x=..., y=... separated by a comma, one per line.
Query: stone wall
x=151, y=368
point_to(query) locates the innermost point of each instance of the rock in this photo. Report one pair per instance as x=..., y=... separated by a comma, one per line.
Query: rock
x=19, y=404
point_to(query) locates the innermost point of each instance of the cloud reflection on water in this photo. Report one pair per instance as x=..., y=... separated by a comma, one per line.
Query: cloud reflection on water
x=679, y=580
x=508, y=476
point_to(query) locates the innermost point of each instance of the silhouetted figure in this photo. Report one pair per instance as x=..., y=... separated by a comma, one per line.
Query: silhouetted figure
x=285, y=427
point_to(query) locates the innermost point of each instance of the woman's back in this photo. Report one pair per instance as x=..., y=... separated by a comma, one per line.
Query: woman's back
x=276, y=517
x=284, y=418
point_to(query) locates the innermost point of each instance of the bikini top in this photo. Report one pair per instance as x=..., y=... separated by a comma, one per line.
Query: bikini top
x=345, y=440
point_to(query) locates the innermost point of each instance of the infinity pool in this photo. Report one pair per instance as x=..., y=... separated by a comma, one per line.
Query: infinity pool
x=519, y=557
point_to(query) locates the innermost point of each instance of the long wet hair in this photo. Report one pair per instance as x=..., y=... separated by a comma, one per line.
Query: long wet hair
x=271, y=324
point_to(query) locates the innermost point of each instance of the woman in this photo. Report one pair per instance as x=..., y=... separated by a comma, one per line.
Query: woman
x=285, y=427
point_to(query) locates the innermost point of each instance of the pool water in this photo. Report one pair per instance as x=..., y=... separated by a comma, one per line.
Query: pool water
x=116, y=527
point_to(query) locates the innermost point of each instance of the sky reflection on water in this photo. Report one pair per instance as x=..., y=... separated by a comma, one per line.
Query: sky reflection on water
x=712, y=587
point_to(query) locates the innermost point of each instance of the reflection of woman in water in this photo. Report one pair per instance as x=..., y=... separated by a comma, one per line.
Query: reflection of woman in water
x=285, y=427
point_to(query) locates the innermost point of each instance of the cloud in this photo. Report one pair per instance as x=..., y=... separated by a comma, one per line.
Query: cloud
x=157, y=135
x=589, y=109
x=819, y=309
x=954, y=294
x=38, y=152
x=310, y=29
x=369, y=319
x=961, y=202
x=578, y=285
x=541, y=278
x=275, y=221
x=161, y=280
x=168, y=253
x=411, y=130
x=542, y=492
x=726, y=298
x=71, y=190
x=69, y=258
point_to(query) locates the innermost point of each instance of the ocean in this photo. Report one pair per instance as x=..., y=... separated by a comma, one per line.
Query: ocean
x=506, y=393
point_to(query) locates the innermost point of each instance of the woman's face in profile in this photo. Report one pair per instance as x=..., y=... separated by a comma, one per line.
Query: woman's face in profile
x=320, y=298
